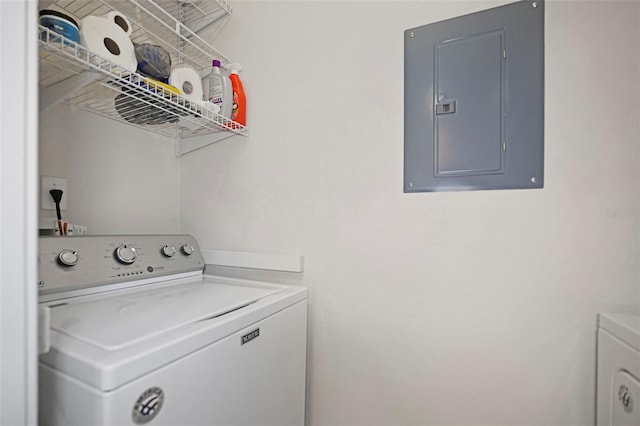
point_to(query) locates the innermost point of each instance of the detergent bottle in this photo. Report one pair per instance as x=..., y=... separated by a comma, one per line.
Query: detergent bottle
x=239, y=108
x=220, y=89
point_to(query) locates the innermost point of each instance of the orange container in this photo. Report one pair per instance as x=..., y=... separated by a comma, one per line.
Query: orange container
x=239, y=108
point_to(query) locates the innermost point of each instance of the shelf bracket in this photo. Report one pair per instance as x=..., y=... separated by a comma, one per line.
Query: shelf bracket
x=58, y=92
x=184, y=146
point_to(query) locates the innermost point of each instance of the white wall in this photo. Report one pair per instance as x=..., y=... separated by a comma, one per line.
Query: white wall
x=120, y=179
x=434, y=308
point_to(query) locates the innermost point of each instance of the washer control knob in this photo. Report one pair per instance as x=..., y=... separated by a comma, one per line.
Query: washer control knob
x=168, y=251
x=68, y=257
x=125, y=254
x=188, y=249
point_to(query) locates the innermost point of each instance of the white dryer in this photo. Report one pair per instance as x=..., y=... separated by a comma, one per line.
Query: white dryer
x=618, y=393
x=140, y=335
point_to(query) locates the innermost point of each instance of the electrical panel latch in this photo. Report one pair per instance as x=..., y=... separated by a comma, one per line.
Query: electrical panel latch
x=446, y=107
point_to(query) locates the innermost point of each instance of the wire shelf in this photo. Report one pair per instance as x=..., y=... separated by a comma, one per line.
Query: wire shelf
x=131, y=98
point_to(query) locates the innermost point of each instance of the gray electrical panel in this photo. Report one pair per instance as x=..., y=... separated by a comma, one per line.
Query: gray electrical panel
x=474, y=101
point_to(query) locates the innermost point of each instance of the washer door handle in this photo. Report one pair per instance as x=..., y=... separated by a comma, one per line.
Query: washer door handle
x=625, y=398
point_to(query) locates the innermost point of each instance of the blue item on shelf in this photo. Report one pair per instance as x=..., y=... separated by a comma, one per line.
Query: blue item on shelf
x=153, y=61
x=59, y=23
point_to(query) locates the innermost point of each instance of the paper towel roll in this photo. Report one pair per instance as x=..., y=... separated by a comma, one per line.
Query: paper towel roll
x=120, y=20
x=103, y=37
x=188, y=81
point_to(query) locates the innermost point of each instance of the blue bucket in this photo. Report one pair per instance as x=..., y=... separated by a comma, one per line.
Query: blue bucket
x=59, y=23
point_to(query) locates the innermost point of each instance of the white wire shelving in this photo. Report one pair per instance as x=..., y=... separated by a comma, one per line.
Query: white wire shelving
x=71, y=73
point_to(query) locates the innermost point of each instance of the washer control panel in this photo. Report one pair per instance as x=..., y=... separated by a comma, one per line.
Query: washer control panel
x=71, y=263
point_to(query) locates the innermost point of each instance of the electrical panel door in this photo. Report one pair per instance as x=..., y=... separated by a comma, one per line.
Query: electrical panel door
x=469, y=105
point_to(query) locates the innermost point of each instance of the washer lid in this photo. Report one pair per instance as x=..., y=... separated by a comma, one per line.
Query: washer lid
x=625, y=327
x=119, y=321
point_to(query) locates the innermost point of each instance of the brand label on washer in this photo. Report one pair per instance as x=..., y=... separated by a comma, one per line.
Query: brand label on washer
x=250, y=336
x=148, y=405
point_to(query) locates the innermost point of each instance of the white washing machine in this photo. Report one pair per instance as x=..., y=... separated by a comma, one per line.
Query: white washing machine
x=140, y=335
x=618, y=393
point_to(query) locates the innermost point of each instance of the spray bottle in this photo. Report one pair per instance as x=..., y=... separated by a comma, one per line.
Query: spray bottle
x=239, y=109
